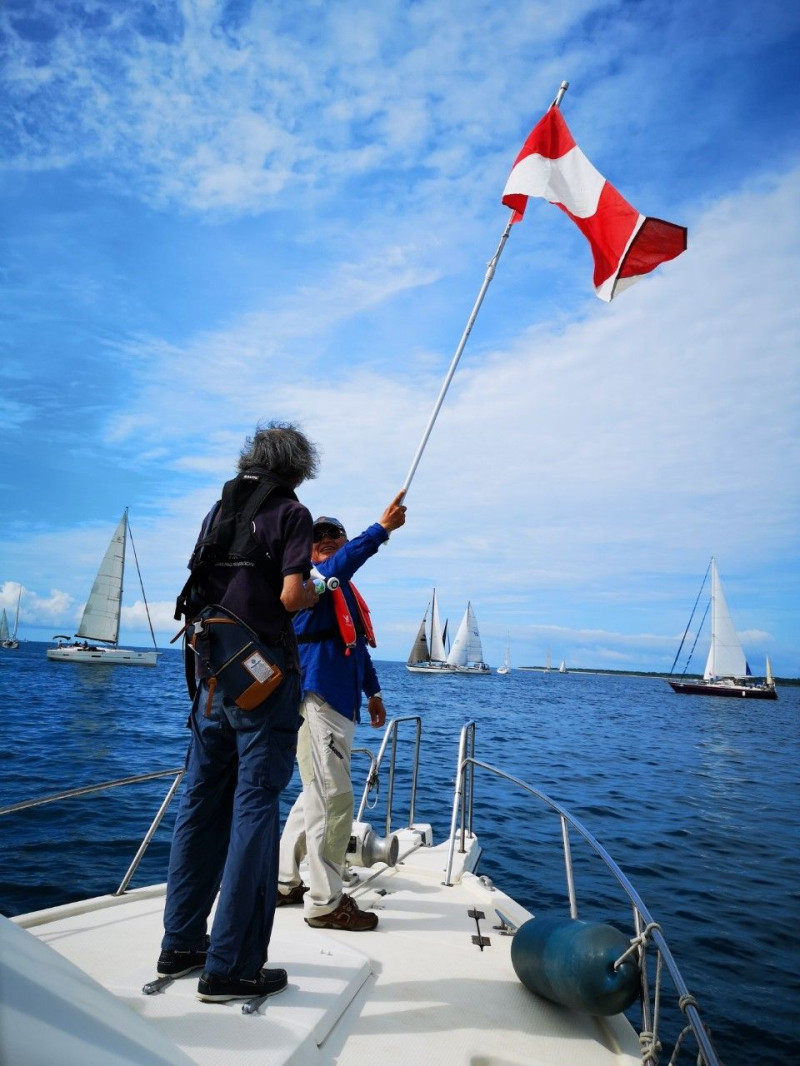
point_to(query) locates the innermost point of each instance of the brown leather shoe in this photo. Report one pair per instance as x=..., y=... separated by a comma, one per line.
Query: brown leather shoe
x=293, y=896
x=346, y=916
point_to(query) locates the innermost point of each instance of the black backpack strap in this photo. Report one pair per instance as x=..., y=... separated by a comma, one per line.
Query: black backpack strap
x=242, y=542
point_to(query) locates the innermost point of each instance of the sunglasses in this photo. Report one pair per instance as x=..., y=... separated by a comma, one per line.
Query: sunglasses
x=321, y=532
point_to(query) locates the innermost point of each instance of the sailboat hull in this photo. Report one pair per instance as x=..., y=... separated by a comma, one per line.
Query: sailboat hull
x=103, y=656
x=430, y=668
x=724, y=688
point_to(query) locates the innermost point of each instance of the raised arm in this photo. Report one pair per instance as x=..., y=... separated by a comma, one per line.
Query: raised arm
x=395, y=514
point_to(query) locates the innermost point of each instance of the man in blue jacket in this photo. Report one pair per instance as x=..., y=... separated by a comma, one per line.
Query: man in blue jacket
x=337, y=668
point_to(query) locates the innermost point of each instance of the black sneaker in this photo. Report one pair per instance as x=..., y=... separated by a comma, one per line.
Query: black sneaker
x=178, y=963
x=213, y=989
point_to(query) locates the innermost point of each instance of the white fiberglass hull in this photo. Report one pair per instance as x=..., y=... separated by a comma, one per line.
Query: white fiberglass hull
x=436, y=982
x=98, y=656
x=417, y=990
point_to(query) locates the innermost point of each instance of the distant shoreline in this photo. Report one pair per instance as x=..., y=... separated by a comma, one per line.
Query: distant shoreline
x=165, y=649
x=636, y=673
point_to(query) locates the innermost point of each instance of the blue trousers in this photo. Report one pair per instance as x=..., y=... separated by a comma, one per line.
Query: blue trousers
x=227, y=828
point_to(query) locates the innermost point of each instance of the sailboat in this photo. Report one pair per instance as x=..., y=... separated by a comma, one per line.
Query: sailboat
x=9, y=640
x=506, y=667
x=563, y=667
x=466, y=654
x=100, y=621
x=429, y=657
x=727, y=671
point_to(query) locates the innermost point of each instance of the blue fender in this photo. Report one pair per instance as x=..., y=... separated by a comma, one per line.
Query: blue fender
x=571, y=962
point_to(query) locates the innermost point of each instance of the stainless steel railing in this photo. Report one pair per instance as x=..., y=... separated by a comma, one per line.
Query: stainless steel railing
x=647, y=930
x=87, y=790
x=390, y=741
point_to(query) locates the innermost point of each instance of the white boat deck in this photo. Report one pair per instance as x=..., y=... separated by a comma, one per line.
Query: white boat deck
x=416, y=990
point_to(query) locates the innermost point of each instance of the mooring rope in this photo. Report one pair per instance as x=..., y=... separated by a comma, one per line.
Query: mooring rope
x=640, y=941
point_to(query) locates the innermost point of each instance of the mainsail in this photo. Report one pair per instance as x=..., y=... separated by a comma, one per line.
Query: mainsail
x=437, y=640
x=100, y=619
x=725, y=656
x=467, y=646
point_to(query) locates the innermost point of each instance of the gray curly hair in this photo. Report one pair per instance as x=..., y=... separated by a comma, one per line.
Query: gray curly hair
x=283, y=450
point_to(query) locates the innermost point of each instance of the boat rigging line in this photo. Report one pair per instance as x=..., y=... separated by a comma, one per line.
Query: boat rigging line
x=141, y=582
x=691, y=616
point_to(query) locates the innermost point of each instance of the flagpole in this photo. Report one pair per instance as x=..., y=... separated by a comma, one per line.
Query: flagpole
x=490, y=271
x=560, y=94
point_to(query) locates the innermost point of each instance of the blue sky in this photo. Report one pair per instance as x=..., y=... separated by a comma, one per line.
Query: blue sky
x=216, y=213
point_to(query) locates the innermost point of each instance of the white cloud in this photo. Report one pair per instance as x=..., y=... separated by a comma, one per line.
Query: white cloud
x=206, y=120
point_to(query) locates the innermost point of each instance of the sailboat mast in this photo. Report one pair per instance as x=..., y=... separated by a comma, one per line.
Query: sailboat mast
x=122, y=571
x=710, y=670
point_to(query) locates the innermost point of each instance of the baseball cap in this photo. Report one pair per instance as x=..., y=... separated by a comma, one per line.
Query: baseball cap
x=326, y=520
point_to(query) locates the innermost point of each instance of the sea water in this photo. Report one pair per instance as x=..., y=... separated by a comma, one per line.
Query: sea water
x=694, y=797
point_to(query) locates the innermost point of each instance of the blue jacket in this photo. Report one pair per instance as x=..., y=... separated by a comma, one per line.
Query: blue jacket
x=340, y=679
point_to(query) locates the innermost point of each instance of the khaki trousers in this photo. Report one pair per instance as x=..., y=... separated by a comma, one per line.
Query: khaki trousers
x=320, y=823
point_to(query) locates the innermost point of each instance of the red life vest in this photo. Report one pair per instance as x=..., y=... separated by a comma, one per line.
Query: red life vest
x=344, y=620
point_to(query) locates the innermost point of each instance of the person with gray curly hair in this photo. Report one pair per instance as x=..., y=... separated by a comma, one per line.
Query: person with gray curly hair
x=281, y=448
x=227, y=827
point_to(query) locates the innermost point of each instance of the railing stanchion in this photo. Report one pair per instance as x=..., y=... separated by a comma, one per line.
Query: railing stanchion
x=573, y=901
x=145, y=844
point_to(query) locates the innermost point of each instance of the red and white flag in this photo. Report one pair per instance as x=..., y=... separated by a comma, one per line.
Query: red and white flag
x=625, y=245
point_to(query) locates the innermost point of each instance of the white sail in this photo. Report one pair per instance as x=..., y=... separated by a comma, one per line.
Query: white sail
x=437, y=640
x=506, y=667
x=768, y=674
x=100, y=619
x=563, y=667
x=9, y=640
x=467, y=645
x=725, y=656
